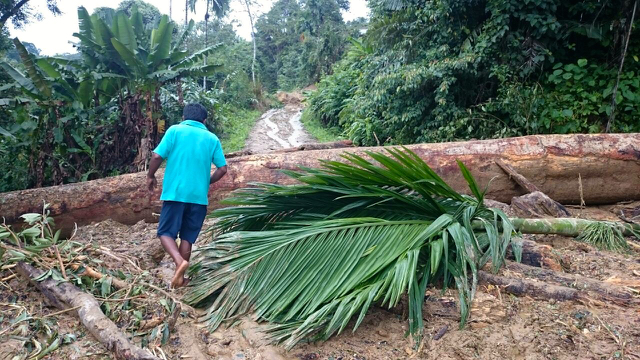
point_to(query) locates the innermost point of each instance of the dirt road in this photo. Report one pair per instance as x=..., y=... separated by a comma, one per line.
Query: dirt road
x=278, y=129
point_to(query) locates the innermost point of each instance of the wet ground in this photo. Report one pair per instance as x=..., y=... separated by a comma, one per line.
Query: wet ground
x=278, y=129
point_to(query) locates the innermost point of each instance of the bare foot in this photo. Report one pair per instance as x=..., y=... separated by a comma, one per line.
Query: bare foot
x=178, y=277
x=185, y=281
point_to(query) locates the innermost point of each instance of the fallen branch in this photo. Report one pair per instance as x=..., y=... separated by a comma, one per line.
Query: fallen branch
x=535, y=289
x=90, y=272
x=515, y=176
x=65, y=296
x=600, y=289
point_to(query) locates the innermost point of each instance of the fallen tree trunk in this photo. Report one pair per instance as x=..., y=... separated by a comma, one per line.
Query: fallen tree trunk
x=608, y=165
x=66, y=296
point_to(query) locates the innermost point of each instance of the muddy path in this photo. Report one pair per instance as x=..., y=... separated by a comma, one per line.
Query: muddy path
x=278, y=129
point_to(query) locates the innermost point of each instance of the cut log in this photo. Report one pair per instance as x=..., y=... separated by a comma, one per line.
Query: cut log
x=66, y=296
x=554, y=285
x=537, y=205
x=566, y=226
x=608, y=164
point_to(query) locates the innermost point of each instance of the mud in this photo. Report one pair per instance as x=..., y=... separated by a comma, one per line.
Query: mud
x=278, y=129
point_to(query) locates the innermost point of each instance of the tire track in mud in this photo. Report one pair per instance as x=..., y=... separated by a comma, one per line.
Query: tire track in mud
x=278, y=129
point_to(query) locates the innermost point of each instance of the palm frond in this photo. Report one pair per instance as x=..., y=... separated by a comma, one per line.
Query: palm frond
x=309, y=258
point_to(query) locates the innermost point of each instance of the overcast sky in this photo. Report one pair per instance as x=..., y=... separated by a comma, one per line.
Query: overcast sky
x=53, y=33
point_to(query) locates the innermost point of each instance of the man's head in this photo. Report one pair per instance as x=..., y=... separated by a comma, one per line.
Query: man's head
x=195, y=112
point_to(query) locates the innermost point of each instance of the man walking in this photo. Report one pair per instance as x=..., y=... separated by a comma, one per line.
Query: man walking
x=189, y=149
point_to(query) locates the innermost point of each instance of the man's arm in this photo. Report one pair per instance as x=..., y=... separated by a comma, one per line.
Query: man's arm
x=154, y=164
x=218, y=174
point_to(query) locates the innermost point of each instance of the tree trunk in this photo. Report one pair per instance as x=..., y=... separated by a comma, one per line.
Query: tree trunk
x=66, y=296
x=253, y=39
x=609, y=166
x=565, y=226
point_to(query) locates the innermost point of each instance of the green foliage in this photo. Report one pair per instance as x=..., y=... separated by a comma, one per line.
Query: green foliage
x=235, y=124
x=298, y=42
x=448, y=70
x=21, y=12
x=317, y=130
x=308, y=258
x=74, y=120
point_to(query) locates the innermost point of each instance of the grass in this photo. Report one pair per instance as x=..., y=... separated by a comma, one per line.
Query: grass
x=236, y=125
x=318, y=130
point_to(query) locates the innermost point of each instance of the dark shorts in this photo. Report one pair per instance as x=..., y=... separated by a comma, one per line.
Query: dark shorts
x=183, y=219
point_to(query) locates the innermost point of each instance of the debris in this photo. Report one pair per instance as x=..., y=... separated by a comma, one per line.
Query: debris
x=65, y=295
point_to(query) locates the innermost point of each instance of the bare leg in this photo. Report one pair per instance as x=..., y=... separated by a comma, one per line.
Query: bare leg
x=185, y=249
x=171, y=248
x=185, y=252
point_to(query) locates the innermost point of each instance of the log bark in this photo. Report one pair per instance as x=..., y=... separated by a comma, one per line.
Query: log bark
x=609, y=165
x=537, y=255
x=599, y=289
x=66, y=296
x=537, y=205
x=517, y=177
x=535, y=289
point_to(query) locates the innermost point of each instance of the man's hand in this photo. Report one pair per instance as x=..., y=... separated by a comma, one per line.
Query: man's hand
x=218, y=174
x=154, y=164
x=152, y=183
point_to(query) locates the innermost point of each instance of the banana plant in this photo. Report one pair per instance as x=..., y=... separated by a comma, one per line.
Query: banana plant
x=126, y=48
x=142, y=60
x=62, y=90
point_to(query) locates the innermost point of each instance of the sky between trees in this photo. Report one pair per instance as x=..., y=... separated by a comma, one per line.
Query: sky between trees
x=52, y=35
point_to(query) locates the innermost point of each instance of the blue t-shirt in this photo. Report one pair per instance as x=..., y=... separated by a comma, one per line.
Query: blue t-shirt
x=189, y=149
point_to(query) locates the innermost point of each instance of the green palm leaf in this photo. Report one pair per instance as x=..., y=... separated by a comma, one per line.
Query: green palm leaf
x=36, y=77
x=308, y=258
x=86, y=27
x=125, y=32
x=183, y=37
x=161, y=41
x=27, y=85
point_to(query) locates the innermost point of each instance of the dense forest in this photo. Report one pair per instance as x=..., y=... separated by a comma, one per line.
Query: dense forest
x=445, y=70
x=416, y=71
x=99, y=112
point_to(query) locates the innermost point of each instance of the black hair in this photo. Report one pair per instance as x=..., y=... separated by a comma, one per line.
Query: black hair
x=195, y=112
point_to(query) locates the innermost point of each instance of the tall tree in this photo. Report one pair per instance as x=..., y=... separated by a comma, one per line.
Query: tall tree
x=219, y=9
x=20, y=12
x=253, y=40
